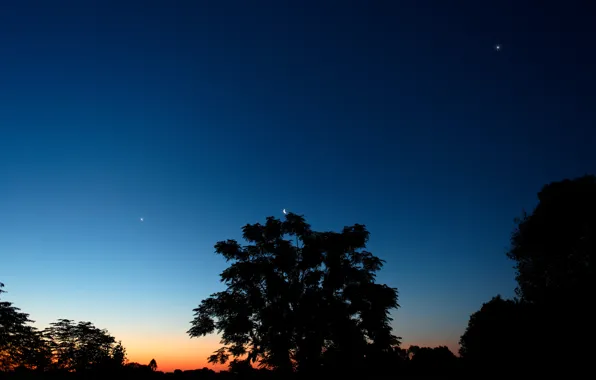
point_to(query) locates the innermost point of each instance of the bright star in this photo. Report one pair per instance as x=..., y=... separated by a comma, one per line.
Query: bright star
x=141, y=219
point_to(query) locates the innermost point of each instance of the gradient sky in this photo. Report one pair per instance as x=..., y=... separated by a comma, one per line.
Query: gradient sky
x=202, y=116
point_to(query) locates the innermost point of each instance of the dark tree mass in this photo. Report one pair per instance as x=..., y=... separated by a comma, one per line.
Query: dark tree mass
x=297, y=299
x=64, y=346
x=493, y=336
x=553, y=249
x=554, y=246
x=20, y=343
x=82, y=346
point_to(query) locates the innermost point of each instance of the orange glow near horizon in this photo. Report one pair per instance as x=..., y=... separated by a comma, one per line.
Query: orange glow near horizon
x=171, y=353
x=188, y=354
x=171, y=362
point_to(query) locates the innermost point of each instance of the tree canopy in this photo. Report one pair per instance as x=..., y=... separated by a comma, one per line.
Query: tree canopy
x=297, y=299
x=20, y=343
x=438, y=360
x=64, y=345
x=497, y=336
x=553, y=249
x=82, y=346
x=555, y=245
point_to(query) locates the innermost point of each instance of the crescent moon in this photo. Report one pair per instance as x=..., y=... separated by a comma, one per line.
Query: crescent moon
x=284, y=210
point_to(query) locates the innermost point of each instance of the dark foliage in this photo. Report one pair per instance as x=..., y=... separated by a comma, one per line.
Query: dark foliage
x=82, y=346
x=501, y=336
x=20, y=343
x=433, y=361
x=430, y=361
x=65, y=346
x=554, y=249
x=298, y=299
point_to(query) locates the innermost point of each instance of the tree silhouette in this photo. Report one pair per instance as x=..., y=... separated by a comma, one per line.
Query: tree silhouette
x=82, y=346
x=153, y=365
x=554, y=250
x=497, y=336
x=297, y=299
x=438, y=360
x=137, y=369
x=391, y=361
x=20, y=343
x=554, y=247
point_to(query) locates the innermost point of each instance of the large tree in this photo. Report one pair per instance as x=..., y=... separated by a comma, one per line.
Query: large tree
x=297, y=299
x=554, y=249
x=82, y=346
x=555, y=245
x=21, y=345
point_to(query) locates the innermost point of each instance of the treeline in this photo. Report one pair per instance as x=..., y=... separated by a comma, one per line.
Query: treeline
x=549, y=327
x=305, y=303
x=63, y=346
x=74, y=349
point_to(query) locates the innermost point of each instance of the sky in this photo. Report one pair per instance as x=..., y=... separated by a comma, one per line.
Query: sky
x=203, y=116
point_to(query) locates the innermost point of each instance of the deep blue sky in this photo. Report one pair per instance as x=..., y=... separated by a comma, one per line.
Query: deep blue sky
x=204, y=116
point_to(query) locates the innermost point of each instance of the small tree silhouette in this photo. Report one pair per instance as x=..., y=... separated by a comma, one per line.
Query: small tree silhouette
x=153, y=365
